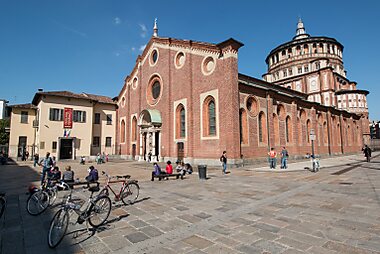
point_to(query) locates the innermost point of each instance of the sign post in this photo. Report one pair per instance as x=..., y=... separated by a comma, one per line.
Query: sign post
x=312, y=138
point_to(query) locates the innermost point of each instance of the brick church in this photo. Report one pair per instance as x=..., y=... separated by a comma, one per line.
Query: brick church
x=187, y=100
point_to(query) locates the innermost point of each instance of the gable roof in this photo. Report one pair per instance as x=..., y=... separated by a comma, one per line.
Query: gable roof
x=68, y=94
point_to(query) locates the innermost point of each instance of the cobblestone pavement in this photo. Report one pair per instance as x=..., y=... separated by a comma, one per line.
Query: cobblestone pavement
x=250, y=210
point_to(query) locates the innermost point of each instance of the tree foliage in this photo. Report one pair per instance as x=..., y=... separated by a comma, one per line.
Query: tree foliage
x=4, y=135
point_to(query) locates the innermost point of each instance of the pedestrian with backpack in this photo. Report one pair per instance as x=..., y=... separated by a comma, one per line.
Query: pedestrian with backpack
x=284, y=158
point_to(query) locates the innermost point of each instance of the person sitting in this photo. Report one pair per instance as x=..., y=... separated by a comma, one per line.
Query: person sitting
x=55, y=174
x=68, y=175
x=169, y=167
x=93, y=175
x=180, y=168
x=157, y=171
x=188, y=168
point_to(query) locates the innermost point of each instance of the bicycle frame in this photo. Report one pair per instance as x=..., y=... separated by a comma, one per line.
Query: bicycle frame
x=108, y=186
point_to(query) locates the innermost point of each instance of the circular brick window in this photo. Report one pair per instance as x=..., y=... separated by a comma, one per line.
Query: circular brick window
x=252, y=106
x=153, y=57
x=179, y=60
x=208, y=65
x=154, y=90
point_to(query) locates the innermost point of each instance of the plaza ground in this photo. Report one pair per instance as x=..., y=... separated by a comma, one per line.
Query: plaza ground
x=250, y=210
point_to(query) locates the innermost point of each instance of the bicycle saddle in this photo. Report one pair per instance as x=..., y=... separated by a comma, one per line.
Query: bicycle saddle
x=94, y=188
x=126, y=177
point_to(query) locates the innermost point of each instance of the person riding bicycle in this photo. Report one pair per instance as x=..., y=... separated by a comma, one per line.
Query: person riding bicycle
x=93, y=175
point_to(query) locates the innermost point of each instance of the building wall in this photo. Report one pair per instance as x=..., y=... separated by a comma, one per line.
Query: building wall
x=103, y=129
x=21, y=129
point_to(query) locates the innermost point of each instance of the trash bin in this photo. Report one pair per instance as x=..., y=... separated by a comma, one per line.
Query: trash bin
x=202, y=171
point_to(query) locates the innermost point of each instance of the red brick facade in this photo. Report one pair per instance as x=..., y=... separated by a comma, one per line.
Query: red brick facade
x=222, y=109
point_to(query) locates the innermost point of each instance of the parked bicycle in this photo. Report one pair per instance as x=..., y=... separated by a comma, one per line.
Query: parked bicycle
x=129, y=191
x=44, y=197
x=96, y=212
x=3, y=203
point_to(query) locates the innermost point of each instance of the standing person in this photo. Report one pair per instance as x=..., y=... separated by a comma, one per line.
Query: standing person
x=169, y=168
x=272, y=158
x=284, y=158
x=46, y=164
x=367, y=152
x=223, y=160
x=36, y=159
x=26, y=155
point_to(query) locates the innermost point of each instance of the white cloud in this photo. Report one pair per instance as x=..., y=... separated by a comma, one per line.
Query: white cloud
x=116, y=20
x=142, y=47
x=143, y=30
x=133, y=48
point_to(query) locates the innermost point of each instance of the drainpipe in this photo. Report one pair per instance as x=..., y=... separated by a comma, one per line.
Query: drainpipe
x=328, y=132
x=268, y=135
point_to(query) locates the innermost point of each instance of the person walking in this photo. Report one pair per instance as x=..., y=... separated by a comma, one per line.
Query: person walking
x=367, y=153
x=223, y=160
x=36, y=159
x=284, y=158
x=46, y=164
x=272, y=158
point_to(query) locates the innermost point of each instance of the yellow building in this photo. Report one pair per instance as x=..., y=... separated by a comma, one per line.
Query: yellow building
x=66, y=124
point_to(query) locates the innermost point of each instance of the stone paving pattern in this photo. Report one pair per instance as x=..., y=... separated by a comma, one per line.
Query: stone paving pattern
x=250, y=210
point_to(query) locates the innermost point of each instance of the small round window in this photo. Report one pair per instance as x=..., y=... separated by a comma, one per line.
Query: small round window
x=153, y=57
x=208, y=65
x=179, y=60
x=156, y=89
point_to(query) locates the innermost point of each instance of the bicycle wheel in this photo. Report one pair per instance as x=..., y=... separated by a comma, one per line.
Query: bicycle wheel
x=104, y=192
x=3, y=203
x=58, y=227
x=130, y=193
x=37, y=202
x=99, y=211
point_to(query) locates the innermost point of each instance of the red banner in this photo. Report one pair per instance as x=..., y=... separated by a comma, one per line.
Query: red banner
x=68, y=118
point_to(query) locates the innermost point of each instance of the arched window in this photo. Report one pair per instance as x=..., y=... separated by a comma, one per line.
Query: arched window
x=209, y=113
x=300, y=136
x=338, y=132
x=243, y=126
x=348, y=135
x=122, y=131
x=180, y=121
x=276, y=130
x=288, y=130
x=262, y=128
x=134, y=128
x=325, y=133
x=308, y=124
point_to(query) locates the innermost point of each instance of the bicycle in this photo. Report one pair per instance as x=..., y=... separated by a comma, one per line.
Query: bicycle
x=3, y=203
x=129, y=191
x=41, y=199
x=96, y=213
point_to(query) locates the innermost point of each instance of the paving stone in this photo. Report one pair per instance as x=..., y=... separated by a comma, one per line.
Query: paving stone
x=266, y=227
x=136, y=237
x=189, y=218
x=344, y=248
x=97, y=248
x=248, y=249
x=164, y=250
x=221, y=230
x=151, y=231
x=293, y=243
x=293, y=251
x=227, y=241
x=138, y=223
x=115, y=242
x=202, y=215
x=181, y=208
x=198, y=242
x=269, y=246
x=219, y=249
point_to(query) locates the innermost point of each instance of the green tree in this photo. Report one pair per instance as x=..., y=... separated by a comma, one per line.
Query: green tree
x=4, y=135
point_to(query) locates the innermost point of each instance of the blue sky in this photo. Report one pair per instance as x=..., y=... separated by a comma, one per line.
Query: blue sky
x=91, y=46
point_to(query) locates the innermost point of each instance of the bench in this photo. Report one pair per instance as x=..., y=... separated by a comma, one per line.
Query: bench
x=163, y=176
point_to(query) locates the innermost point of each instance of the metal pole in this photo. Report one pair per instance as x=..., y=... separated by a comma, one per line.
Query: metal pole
x=312, y=148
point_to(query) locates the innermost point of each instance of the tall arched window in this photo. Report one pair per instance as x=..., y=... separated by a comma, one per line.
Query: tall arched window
x=300, y=136
x=276, y=130
x=243, y=126
x=180, y=121
x=262, y=128
x=288, y=130
x=134, y=128
x=308, y=124
x=325, y=133
x=209, y=114
x=122, y=131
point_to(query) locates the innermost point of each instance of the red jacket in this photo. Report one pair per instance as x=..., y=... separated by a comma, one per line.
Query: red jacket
x=169, y=169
